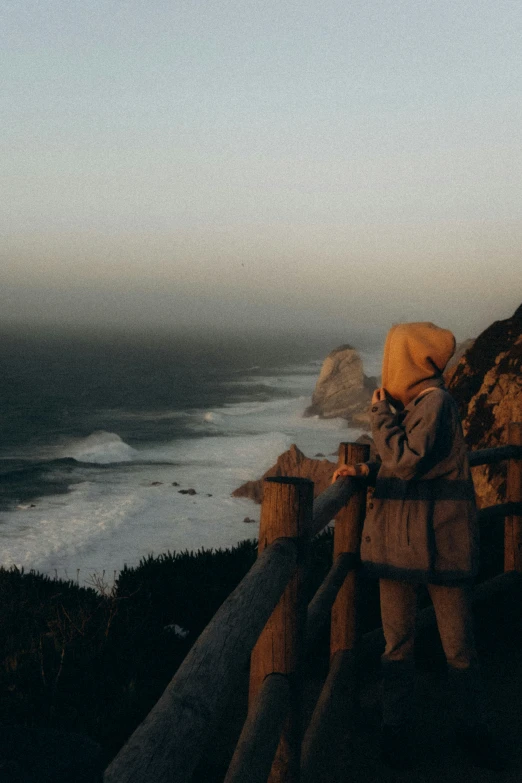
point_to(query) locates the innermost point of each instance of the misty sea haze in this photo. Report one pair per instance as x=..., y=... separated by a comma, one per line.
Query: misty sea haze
x=100, y=433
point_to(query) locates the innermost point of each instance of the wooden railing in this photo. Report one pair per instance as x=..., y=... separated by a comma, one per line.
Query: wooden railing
x=265, y=619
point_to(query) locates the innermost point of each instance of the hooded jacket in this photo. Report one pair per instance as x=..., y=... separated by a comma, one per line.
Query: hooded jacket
x=421, y=522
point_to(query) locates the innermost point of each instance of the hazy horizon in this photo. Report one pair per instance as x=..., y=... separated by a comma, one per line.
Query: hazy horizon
x=310, y=168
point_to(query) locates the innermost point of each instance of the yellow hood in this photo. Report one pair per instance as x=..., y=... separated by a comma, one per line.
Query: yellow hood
x=415, y=356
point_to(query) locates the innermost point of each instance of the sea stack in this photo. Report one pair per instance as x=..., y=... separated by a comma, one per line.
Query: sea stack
x=342, y=389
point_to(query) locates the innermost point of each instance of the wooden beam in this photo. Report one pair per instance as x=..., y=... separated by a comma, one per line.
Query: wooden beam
x=347, y=538
x=500, y=511
x=513, y=524
x=330, y=502
x=286, y=511
x=321, y=604
x=167, y=746
x=256, y=747
x=483, y=457
x=332, y=713
x=489, y=456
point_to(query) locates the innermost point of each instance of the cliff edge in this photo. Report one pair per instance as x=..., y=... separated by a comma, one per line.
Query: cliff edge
x=486, y=382
x=487, y=385
x=291, y=463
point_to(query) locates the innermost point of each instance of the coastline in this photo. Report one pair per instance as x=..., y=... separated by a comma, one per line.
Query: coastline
x=102, y=499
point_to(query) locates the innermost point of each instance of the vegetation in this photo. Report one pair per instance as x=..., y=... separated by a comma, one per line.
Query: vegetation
x=96, y=660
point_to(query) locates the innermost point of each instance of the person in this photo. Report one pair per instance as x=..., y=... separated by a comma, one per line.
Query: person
x=421, y=528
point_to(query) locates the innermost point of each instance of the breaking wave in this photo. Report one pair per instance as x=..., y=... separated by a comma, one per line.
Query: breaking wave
x=99, y=448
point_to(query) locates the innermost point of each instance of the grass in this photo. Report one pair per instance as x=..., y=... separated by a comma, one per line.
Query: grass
x=96, y=660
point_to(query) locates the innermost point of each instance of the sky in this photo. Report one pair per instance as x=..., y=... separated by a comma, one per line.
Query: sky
x=230, y=164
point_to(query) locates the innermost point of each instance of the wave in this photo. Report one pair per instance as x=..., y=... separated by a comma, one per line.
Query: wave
x=212, y=418
x=153, y=416
x=99, y=448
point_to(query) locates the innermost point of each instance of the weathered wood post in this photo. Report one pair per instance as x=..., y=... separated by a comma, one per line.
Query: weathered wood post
x=513, y=524
x=337, y=697
x=286, y=513
x=347, y=534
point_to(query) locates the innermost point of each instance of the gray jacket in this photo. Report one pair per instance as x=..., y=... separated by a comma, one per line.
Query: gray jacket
x=421, y=523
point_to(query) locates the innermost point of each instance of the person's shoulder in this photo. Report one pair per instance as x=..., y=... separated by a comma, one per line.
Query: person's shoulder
x=444, y=397
x=440, y=404
x=432, y=398
x=435, y=402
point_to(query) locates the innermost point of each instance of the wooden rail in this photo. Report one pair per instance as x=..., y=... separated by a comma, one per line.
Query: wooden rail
x=168, y=744
x=266, y=616
x=489, y=456
x=513, y=524
x=261, y=733
x=321, y=604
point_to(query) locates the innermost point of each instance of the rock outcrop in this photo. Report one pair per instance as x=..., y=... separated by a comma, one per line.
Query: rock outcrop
x=451, y=366
x=291, y=463
x=342, y=389
x=487, y=385
x=486, y=382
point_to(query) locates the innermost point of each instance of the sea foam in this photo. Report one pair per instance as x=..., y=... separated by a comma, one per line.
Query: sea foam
x=128, y=502
x=100, y=448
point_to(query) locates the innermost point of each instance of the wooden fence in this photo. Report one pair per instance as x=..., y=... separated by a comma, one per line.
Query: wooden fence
x=266, y=620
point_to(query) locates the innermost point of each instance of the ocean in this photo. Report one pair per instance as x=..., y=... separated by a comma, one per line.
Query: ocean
x=101, y=436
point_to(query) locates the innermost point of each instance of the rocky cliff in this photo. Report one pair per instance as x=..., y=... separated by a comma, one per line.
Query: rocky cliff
x=291, y=463
x=460, y=350
x=487, y=385
x=294, y=463
x=342, y=389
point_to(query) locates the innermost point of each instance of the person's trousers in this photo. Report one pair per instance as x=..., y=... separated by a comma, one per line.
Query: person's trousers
x=452, y=607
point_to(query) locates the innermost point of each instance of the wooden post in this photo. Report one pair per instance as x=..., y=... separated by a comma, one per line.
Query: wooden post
x=347, y=534
x=331, y=720
x=167, y=746
x=286, y=512
x=334, y=706
x=513, y=524
x=256, y=747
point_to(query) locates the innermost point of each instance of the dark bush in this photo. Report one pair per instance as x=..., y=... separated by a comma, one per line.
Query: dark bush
x=96, y=661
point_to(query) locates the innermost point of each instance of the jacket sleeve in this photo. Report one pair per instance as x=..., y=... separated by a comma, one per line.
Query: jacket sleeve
x=405, y=449
x=373, y=468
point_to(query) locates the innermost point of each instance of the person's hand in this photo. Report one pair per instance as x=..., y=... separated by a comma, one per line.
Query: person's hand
x=357, y=471
x=378, y=396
